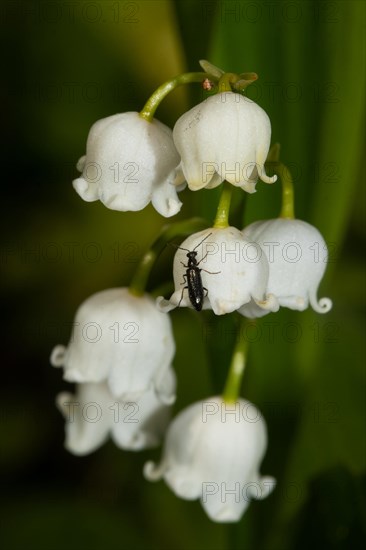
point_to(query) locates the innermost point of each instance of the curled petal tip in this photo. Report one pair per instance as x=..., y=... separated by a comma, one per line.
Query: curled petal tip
x=86, y=192
x=194, y=185
x=249, y=187
x=166, y=399
x=165, y=200
x=178, y=179
x=264, y=488
x=226, y=513
x=139, y=441
x=115, y=202
x=57, y=358
x=323, y=306
x=81, y=163
x=62, y=401
x=268, y=179
x=172, y=208
x=271, y=303
x=174, y=205
x=164, y=305
x=80, y=185
x=74, y=375
x=152, y=472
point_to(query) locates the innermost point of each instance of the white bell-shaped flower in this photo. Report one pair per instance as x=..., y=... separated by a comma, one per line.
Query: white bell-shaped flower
x=121, y=339
x=232, y=270
x=94, y=414
x=213, y=451
x=128, y=163
x=226, y=137
x=297, y=256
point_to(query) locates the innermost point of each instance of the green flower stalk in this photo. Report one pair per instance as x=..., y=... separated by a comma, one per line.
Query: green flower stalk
x=288, y=196
x=223, y=209
x=237, y=366
x=148, y=111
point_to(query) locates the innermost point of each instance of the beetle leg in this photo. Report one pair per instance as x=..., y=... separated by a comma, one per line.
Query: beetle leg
x=185, y=279
x=204, y=288
x=211, y=272
x=181, y=298
x=204, y=257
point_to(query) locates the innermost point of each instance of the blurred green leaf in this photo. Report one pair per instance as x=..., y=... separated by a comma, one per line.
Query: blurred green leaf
x=64, y=73
x=334, y=514
x=311, y=84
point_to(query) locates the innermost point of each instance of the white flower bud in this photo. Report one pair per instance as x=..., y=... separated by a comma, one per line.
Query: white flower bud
x=297, y=257
x=121, y=339
x=130, y=162
x=226, y=137
x=94, y=413
x=233, y=272
x=212, y=452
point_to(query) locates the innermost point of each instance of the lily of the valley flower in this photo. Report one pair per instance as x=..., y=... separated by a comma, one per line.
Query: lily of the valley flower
x=226, y=137
x=94, y=413
x=121, y=339
x=128, y=163
x=297, y=257
x=233, y=272
x=213, y=451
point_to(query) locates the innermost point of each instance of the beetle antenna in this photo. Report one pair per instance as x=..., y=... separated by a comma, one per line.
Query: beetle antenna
x=176, y=246
x=207, y=236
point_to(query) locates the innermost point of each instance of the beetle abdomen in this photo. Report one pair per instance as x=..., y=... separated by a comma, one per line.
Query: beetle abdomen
x=195, y=288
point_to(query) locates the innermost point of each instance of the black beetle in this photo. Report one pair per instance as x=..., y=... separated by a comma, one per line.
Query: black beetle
x=192, y=277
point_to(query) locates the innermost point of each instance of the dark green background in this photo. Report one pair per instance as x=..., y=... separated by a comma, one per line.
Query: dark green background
x=70, y=64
